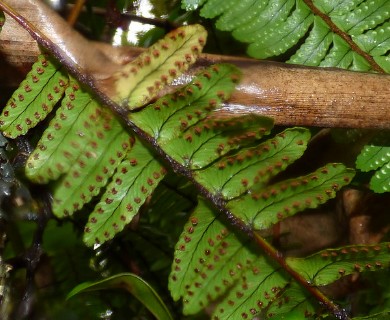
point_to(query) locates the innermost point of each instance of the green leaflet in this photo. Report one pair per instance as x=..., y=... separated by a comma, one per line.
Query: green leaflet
x=92, y=169
x=316, y=46
x=273, y=203
x=210, y=139
x=170, y=116
x=34, y=99
x=253, y=167
x=135, y=179
x=327, y=266
x=279, y=36
x=292, y=303
x=274, y=27
x=376, y=158
x=208, y=259
x=138, y=287
x=212, y=262
x=140, y=80
x=369, y=12
x=259, y=285
x=67, y=135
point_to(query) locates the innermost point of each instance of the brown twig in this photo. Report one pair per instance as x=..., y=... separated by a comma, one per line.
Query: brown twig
x=75, y=12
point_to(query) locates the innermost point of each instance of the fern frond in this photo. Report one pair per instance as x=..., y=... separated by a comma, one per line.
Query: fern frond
x=135, y=179
x=252, y=168
x=35, y=98
x=93, y=168
x=223, y=158
x=345, y=34
x=269, y=205
x=140, y=80
x=327, y=266
x=67, y=135
x=171, y=115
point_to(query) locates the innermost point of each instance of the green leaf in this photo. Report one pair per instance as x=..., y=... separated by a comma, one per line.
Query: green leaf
x=35, y=98
x=373, y=157
x=376, y=158
x=260, y=283
x=316, y=46
x=67, y=135
x=365, y=16
x=140, y=80
x=94, y=166
x=327, y=266
x=292, y=303
x=276, y=202
x=278, y=37
x=253, y=167
x=375, y=42
x=138, y=287
x=170, y=116
x=208, y=259
x=135, y=179
x=212, y=262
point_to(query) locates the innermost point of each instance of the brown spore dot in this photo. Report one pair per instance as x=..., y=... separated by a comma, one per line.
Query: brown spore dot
x=93, y=220
x=244, y=182
x=137, y=200
x=194, y=221
x=106, y=234
x=123, y=218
